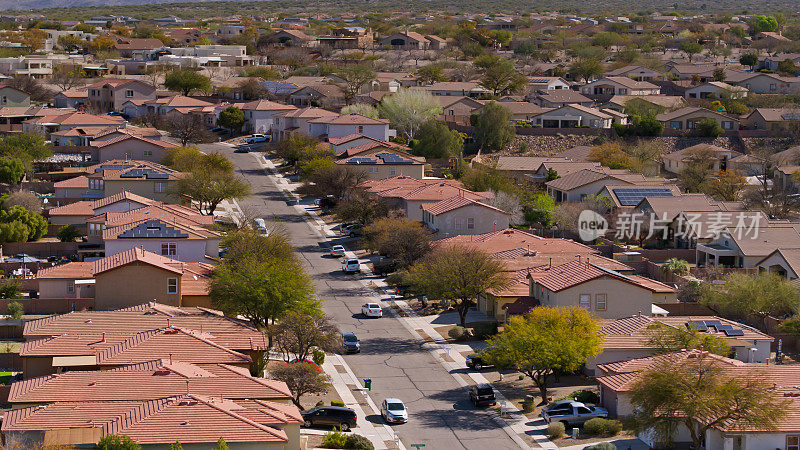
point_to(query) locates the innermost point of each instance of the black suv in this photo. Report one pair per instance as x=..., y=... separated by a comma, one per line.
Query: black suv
x=475, y=361
x=482, y=394
x=384, y=266
x=332, y=416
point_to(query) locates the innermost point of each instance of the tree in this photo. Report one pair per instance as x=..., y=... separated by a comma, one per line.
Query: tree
x=11, y=170
x=540, y=209
x=337, y=180
x=787, y=66
x=509, y=203
x=207, y=188
x=499, y=75
x=545, y=341
x=231, y=118
x=186, y=80
x=675, y=266
x=431, y=73
x=719, y=74
x=493, y=128
x=27, y=200
x=408, y=109
x=302, y=378
x=691, y=48
x=175, y=446
x=363, y=109
x=725, y=185
x=66, y=79
x=299, y=333
x=27, y=147
x=752, y=297
x=458, y=274
x=15, y=310
x=749, y=59
x=587, y=69
x=765, y=23
x=68, y=233
x=354, y=77
x=701, y=395
x=437, y=140
x=38, y=92
x=362, y=207
x=117, y=442
x=221, y=445
x=611, y=155
x=708, y=127
x=187, y=159
x=261, y=287
x=666, y=339
x=17, y=224
x=399, y=238
x=189, y=129
x=698, y=167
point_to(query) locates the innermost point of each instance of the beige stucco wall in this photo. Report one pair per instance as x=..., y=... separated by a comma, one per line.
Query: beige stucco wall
x=36, y=366
x=133, y=284
x=13, y=97
x=485, y=220
x=382, y=171
x=130, y=149
x=145, y=188
x=59, y=288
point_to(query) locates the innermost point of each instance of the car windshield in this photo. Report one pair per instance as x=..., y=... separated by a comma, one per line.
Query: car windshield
x=350, y=338
x=395, y=407
x=484, y=391
x=372, y=305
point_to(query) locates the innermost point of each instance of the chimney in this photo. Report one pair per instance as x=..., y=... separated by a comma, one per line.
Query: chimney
x=579, y=258
x=167, y=322
x=170, y=358
x=550, y=264
x=103, y=338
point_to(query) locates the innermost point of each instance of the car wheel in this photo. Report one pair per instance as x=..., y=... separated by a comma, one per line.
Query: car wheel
x=344, y=426
x=477, y=366
x=308, y=423
x=352, y=235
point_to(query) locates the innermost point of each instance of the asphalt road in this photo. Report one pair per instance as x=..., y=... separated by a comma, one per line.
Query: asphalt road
x=440, y=414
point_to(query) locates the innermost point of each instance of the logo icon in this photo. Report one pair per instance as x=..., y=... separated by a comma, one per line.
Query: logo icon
x=591, y=225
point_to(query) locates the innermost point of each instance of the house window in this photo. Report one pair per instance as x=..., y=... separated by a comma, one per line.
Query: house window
x=772, y=87
x=172, y=285
x=470, y=223
x=147, y=153
x=792, y=442
x=393, y=171
x=360, y=129
x=727, y=125
x=623, y=91
x=676, y=125
x=168, y=249
x=5, y=99
x=373, y=169
x=96, y=183
x=585, y=301
x=159, y=187
x=600, y=302
x=129, y=93
x=70, y=287
x=459, y=225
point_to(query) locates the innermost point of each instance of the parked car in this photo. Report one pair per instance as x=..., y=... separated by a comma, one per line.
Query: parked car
x=329, y=201
x=384, y=266
x=257, y=139
x=475, y=361
x=355, y=230
x=571, y=413
x=394, y=410
x=261, y=226
x=482, y=394
x=350, y=343
x=372, y=310
x=333, y=416
x=241, y=149
x=351, y=265
x=337, y=251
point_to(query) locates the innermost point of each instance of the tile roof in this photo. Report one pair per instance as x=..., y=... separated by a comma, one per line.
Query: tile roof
x=79, y=118
x=308, y=112
x=453, y=203
x=350, y=119
x=577, y=179
x=71, y=271
x=167, y=212
x=80, y=208
x=158, y=228
x=121, y=196
x=127, y=137
x=178, y=343
x=629, y=82
x=678, y=113
x=181, y=101
x=525, y=163
x=130, y=256
x=563, y=96
x=574, y=273
x=229, y=332
x=266, y=105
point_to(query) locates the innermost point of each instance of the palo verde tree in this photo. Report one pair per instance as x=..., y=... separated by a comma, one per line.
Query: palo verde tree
x=666, y=339
x=752, y=297
x=545, y=341
x=186, y=80
x=408, y=109
x=458, y=274
x=493, y=127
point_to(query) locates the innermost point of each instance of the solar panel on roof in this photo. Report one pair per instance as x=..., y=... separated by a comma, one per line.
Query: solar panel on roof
x=724, y=327
x=734, y=332
x=632, y=196
x=713, y=323
x=391, y=158
x=362, y=161
x=697, y=325
x=538, y=80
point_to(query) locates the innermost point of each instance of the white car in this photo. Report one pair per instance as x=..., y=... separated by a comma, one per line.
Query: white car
x=393, y=410
x=256, y=139
x=372, y=310
x=351, y=265
x=337, y=251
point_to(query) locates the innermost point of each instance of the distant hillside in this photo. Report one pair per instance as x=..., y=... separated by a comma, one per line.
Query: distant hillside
x=76, y=9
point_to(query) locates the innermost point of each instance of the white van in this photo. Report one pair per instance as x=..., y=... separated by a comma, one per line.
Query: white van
x=261, y=226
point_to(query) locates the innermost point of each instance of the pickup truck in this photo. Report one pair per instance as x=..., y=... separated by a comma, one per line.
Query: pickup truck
x=572, y=413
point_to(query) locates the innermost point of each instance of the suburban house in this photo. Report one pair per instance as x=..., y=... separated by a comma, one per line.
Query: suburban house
x=11, y=96
x=258, y=115
x=523, y=112
x=773, y=119
x=573, y=116
x=180, y=241
x=143, y=178
x=784, y=262
x=326, y=95
x=380, y=160
x=547, y=83
x=688, y=117
x=130, y=146
x=459, y=107
x=619, y=86
x=71, y=98
x=628, y=338
x=716, y=90
x=407, y=40
x=410, y=194
x=347, y=38
x=344, y=125
x=606, y=293
x=765, y=83
x=618, y=102
x=746, y=250
x=460, y=215
x=560, y=97
x=635, y=72
x=110, y=94
x=66, y=121
x=522, y=167
x=576, y=186
x=292, y=37
x=456, y=89
x=676, y=161
x=123, y=279
x=296, y=121
x=629, y=195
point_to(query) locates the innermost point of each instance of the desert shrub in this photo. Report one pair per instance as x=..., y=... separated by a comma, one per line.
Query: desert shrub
x=601, y=446
x=337, y=403
x=583, y=396
x=484, y=330
x=334, y=439
x=528, y=406
x=555, y=430
x=10, y=289
x=457, y=333
x=602, y=427
x=15, y=310
x=358, y=442
x=318, y=357
x=68, y=233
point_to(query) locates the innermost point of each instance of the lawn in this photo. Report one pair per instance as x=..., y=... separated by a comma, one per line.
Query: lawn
x=5, y=377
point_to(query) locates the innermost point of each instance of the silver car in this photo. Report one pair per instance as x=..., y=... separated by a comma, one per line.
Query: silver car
x=393, y=410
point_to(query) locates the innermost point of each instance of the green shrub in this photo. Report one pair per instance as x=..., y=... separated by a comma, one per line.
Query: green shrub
x=15, y=310
x=10, y=289
x=337, y=403
x=334, y=439
x=601, y=446
x=583, y=396
x=68, y=233
x=555, y=430
x=318, y=357
x=602, y=427
x=528, y=406
x=484, y=330
x=358, y=442
x=457, y=333
x=117, y=442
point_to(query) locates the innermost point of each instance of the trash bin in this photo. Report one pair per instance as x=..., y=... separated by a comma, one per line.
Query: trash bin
x=368, y=384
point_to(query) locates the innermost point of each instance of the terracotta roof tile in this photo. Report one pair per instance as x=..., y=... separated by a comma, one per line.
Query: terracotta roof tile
x=79, y=208
x=454, y=203
x=75, y=182
x=129, y=256
x=72, y=271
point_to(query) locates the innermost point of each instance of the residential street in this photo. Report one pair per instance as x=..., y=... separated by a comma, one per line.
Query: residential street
x=440, y=415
